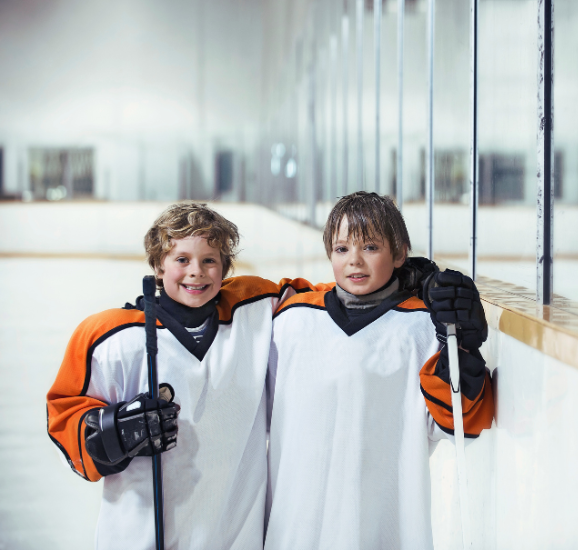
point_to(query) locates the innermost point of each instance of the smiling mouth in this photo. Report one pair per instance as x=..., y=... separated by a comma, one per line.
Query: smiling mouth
x=357, y=277
x=197, y=288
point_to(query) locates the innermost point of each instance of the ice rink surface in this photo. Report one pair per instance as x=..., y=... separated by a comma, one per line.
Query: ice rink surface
x=43, y=504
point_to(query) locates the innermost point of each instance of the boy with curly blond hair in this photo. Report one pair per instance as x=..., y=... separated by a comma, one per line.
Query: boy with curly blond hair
x=213, y=345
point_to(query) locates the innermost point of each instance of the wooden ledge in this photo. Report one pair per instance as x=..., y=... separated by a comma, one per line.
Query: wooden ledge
x=552, y=330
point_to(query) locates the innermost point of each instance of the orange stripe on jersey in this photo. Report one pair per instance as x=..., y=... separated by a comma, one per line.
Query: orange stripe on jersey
x=477, y=413
x=66, y=401
x=311, y=299
x=301, y=285
x=412, y=303
x=237, y=291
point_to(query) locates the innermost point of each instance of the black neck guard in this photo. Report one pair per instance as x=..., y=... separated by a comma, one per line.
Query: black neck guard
x=185, y=315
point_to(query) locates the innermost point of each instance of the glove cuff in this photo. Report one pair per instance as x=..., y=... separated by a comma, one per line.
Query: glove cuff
x=112, y=445
x=472, y=371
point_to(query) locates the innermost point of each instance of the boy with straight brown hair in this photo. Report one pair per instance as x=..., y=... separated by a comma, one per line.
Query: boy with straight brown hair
x=213, y=345
x=359, y=389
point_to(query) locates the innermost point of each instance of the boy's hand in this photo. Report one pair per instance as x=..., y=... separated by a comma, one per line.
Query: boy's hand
x=141, y=427
x=453, y=298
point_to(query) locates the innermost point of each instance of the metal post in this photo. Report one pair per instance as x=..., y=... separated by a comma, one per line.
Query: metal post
x=400, y=25
x=359, y=17
x=430, y=175
x=473, y=137
x=345, y=46
x=545, y=173
x=377, y=44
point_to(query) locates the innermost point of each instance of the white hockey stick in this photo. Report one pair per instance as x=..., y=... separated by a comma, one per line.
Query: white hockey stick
x=452, y=343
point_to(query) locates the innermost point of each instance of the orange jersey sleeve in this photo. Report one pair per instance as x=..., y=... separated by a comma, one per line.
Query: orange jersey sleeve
x=67, y=401
x=477, y=408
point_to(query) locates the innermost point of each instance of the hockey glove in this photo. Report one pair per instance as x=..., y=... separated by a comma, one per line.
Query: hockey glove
x=472, y=371
x=453, y=298
x=141, y=427
x=413, y=273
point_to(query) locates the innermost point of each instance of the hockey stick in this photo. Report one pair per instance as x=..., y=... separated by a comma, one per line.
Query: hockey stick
x=149, y=289
x=452, y=343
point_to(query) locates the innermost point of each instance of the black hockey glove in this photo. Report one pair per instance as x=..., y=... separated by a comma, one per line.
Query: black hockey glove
x=453, y=298
x=141, y=427
x=414, y=272
x=472, y=371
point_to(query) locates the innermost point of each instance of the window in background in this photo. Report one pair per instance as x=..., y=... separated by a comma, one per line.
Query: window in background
x=56, y=174
x=451, y=176
x=223, y=172
x=501, y=178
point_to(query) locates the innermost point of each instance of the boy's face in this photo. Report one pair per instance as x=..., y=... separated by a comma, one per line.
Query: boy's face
x=192, y=272
x=361, y=267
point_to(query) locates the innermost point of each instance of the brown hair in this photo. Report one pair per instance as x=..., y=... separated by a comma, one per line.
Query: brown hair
x=369, y=217
x=185, y=219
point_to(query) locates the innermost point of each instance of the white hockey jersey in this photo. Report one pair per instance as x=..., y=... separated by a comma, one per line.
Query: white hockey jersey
x=350, y=432
x=215, y=479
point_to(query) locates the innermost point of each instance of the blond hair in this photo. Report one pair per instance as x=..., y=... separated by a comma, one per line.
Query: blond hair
x=185, y=219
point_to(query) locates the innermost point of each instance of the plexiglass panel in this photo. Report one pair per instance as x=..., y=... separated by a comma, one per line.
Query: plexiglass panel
x=350, y=91
x=507, y=118
x=452, y=133
x=388, y=99
x=368, y=97
x=565, y=149
x=414, y=122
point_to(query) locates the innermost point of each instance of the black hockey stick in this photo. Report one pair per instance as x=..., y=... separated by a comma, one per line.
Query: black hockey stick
x=149, y=289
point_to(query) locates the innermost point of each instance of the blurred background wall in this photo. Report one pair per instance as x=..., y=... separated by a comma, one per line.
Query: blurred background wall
x=126, y=100
x=276, y=103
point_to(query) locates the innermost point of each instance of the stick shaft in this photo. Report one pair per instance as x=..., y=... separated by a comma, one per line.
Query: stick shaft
x=151, y=345
x=452, y=344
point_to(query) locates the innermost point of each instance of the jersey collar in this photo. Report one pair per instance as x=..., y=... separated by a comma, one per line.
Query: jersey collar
x=350, y=327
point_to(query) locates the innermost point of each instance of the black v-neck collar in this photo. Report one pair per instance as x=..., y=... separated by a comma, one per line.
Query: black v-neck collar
x=350, y=327
x=198, y=349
